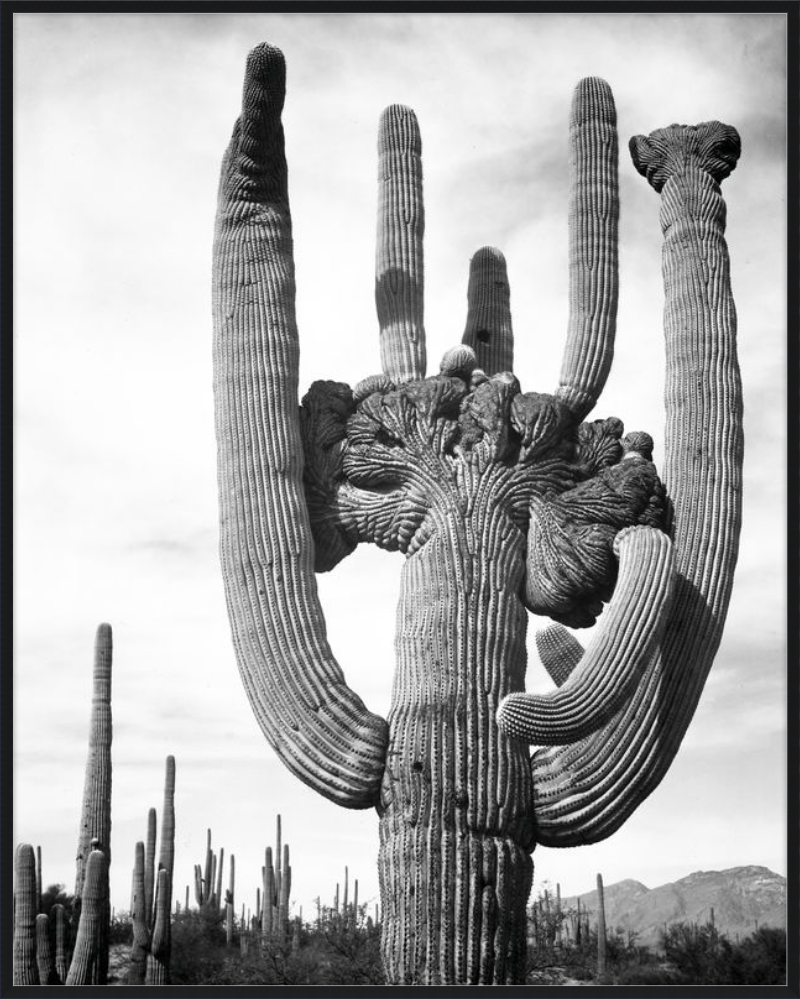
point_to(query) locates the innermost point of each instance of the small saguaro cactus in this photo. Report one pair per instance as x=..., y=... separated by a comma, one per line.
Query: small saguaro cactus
x=25, y=970
x=505, y=502
x=92, y=932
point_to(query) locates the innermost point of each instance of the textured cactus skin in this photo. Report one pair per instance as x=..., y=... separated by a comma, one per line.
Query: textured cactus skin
x=96, y=811
x=44, y=952
x=399, y=259
x=62, y=941
x=488, y=330
x=25, y=971
x=137, y=968
x=158, y=957
x=503, y=502
x=92, y=932
x=150, y=866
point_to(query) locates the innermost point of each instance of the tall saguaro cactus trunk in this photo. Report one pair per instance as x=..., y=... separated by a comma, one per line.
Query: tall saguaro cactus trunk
x=456, y=834
x=504, y=502
x=96, y=811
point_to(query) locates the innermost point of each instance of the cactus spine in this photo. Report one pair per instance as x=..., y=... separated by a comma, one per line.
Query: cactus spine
x=503, y=502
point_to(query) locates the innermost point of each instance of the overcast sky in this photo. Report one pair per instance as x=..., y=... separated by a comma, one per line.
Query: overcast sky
x=120, y=122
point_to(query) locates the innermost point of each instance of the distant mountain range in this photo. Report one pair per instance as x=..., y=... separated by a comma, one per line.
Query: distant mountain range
x=743, y=898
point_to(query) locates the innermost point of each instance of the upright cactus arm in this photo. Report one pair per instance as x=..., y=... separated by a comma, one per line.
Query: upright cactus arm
x=584, y=792
x=488, y=329
x=615, y=658
x=166, y=856
x=319, y=728
x=399, y=287
x=593, y=254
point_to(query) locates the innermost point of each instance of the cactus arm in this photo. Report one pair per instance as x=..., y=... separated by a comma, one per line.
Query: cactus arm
x=319, y=728
x=488, y=328
x=166, y=856
x=150, y=866
x=399, y=258
x=615, y=658
x=593, y=261
x=584, y=793
x=25, y=971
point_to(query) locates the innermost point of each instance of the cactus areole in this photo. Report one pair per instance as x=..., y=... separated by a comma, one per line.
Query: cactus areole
x=504, y=502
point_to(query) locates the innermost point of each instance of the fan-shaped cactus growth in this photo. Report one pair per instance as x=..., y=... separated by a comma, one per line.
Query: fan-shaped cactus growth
x=504, y=502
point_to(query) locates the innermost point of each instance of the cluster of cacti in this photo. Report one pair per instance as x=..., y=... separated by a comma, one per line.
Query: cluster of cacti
x=208, y=879
x=41, y=953
x=277, y=884
x=504, y=502
x=151, y=895
x=41, y=943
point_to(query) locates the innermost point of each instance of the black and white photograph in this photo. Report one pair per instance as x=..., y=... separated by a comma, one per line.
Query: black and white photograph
x=400, y=498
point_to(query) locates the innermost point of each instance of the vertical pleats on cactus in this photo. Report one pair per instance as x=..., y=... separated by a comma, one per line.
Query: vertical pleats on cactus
x=158, y=956
x=488, y=331
x=92, y=935
x=25, y=971
x=96, y=812
x=137, y=968
x=593, y=255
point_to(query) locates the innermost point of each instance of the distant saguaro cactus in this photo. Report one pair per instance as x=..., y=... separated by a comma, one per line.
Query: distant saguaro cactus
x=95, y=821
x=25, y=970
x=92, y=932
x=504, y=502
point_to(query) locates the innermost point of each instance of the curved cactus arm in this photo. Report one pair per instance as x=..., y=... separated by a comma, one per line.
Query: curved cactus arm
x=559, y=651
x=399, y=291
x=319, y=728
x=616, y=656
x=593, y=255
x=488, y=329
x=583, y=793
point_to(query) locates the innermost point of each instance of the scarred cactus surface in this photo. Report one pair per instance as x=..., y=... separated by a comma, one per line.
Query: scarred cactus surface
x=504, y=501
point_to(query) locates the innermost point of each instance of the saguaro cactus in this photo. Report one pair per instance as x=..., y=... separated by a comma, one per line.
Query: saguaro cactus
x=504, y=502
x=25, y=971
x=96, y=811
